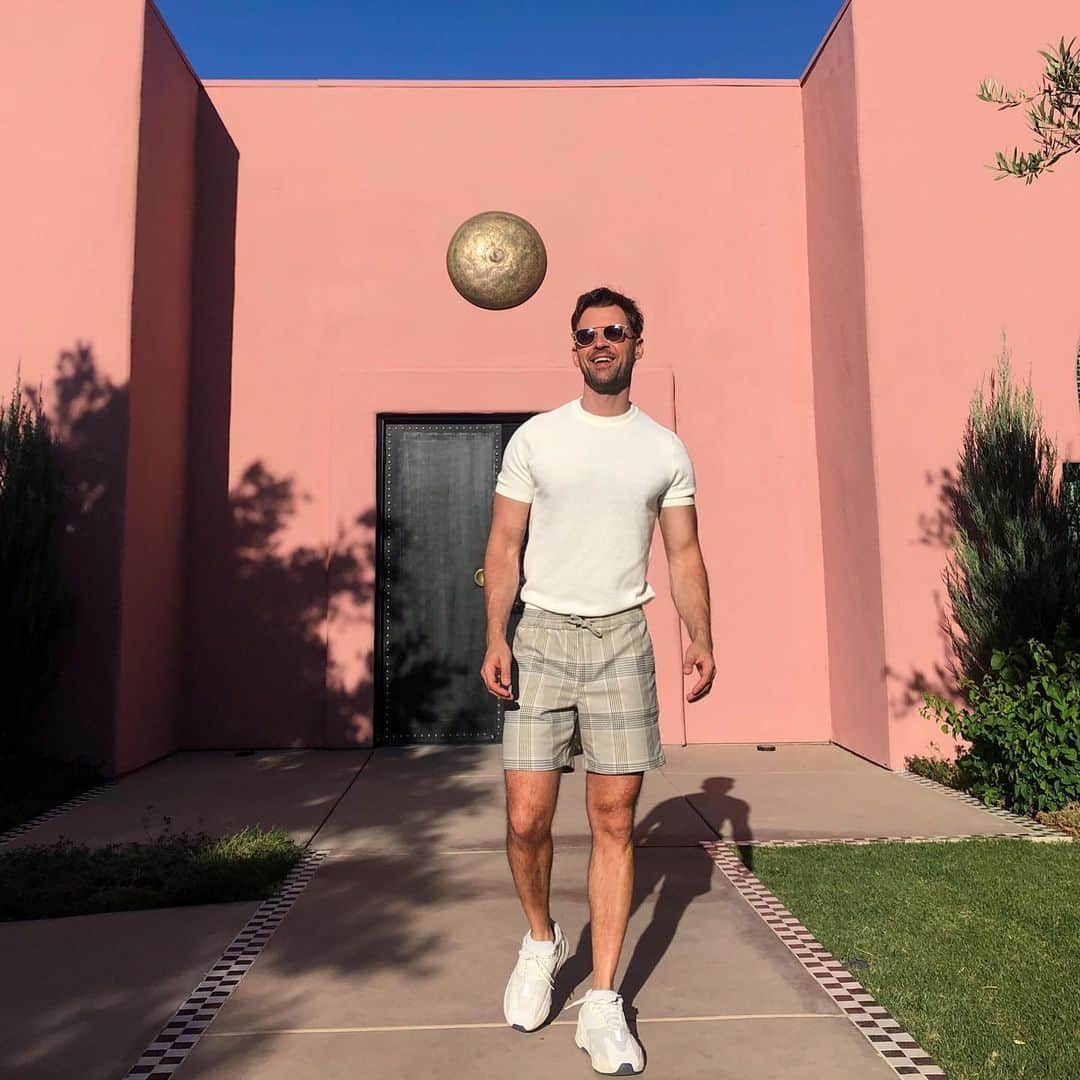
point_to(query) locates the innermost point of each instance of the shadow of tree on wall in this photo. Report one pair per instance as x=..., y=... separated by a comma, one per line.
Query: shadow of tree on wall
x=260, y=657
x=936, y=530
x=419, y=674
x=279, y=596
x=89, y=417
x=350, y=564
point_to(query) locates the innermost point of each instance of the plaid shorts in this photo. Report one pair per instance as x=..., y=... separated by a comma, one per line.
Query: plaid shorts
x=583, y=684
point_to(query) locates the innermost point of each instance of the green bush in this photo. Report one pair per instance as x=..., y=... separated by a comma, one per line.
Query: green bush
x=1013, y=572
x=1023, y=725
x=32, y=599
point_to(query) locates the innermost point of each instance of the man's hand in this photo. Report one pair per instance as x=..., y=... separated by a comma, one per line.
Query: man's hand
x=496, y=670
x=699, y=656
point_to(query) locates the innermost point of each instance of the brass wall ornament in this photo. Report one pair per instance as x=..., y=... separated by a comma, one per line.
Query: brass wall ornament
x=496, y=260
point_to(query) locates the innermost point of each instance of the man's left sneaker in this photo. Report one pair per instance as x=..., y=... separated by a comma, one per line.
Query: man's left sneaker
x=603, y=1034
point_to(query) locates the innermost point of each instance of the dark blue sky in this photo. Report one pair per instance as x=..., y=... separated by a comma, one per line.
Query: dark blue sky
x=291, y=39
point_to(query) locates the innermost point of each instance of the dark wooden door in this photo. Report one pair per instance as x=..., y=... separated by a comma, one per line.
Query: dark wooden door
x=436, y=480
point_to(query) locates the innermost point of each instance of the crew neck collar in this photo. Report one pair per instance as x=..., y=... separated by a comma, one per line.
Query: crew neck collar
x=604, y=421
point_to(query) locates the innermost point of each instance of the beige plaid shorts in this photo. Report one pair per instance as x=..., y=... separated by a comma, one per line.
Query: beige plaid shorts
x=583, y=684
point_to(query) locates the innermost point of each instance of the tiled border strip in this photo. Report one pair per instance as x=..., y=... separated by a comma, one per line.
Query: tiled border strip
x=951, y=838
x=1035, y=828
x=888, y=1038
x=55, y=812
x=182, y=1032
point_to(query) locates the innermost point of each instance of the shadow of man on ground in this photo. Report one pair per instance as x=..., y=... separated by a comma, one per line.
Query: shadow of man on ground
x=681, y=870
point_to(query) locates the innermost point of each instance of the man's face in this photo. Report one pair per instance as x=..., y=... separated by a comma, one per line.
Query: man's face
x=606, y=365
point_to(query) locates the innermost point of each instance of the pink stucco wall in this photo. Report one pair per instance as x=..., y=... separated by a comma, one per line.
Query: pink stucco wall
x=953, y=260
x=347, y=197
x=841, y=404
x=70, y=126
x=256, y=270
x=154, y=554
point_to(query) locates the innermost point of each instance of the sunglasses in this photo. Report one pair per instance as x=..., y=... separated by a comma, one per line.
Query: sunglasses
x=614, y=332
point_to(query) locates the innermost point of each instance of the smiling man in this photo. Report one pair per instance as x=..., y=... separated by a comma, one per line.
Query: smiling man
x=589, y=481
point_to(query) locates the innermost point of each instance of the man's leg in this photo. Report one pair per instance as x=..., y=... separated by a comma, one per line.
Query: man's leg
x=610, y=801
x=530, y=808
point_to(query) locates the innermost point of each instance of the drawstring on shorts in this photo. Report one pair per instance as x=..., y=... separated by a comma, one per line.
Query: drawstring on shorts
x=577, y=620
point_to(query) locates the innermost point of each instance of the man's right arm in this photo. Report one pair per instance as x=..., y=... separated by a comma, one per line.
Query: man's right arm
x=509, y=519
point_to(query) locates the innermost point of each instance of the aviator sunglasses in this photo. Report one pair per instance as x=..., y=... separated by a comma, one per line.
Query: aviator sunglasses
x=613, y=332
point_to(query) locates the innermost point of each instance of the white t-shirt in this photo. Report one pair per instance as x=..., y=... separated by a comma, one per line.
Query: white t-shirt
x=596, y=484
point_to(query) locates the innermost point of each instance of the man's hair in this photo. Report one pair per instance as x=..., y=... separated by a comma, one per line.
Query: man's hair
x=605, y=297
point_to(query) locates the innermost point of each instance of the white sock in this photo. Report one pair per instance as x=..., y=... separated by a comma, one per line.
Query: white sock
x=541, y=946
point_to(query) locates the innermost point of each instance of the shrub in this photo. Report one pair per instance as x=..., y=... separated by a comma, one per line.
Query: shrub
x=1023, y=725
x=1013, y=572
x=32, y=600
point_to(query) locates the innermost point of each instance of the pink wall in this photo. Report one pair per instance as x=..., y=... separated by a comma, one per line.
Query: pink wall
x=70, y=124
x=154, y=555
x=348, y=194
x=953, y=260
x=819, y=307
x=850, y=544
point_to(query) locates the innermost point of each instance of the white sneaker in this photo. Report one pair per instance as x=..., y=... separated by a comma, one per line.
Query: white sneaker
x=603, y=1034
x=527, y=1000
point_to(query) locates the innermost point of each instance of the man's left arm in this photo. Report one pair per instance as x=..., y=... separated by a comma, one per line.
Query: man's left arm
x=690, y=591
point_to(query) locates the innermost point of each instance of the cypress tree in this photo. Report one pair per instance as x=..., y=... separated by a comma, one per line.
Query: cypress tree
x=1011, y=574
x=32, y=598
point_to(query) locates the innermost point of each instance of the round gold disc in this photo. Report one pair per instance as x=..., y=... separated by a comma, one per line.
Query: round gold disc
x=496, y=260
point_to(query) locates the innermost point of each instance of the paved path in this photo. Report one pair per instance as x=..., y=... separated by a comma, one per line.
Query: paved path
x=393, y=958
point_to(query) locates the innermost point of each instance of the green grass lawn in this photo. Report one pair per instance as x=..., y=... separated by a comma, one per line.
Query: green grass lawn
x=973, y=946
x=30, y=784
x=49, y=881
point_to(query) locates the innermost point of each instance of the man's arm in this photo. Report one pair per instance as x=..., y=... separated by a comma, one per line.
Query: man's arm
x=502, y=558
x=690, y=591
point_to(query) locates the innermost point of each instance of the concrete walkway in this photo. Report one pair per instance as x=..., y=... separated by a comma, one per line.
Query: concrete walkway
x=393, y=960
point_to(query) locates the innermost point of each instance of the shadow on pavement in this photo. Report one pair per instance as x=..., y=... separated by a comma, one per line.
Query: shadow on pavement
x=681, y=874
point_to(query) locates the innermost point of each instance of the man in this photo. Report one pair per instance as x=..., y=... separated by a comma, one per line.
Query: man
x=589, y=479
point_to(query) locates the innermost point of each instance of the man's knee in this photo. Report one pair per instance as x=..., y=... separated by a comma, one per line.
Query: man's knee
x=528, y=830
x=616, y=825
x=612, y=817
x=530, y=806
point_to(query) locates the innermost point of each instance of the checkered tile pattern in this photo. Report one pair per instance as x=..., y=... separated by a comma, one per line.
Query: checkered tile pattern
x=179, y=1036
x=895, y=1045
x=55, y=812
x=1035, y=829
x=951, y=839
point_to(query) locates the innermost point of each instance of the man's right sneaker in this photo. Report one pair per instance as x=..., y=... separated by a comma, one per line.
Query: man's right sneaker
x=602, y=1033
x=527, y=1000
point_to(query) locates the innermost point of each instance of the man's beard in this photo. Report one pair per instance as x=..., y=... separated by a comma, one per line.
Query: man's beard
x=611, y=386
